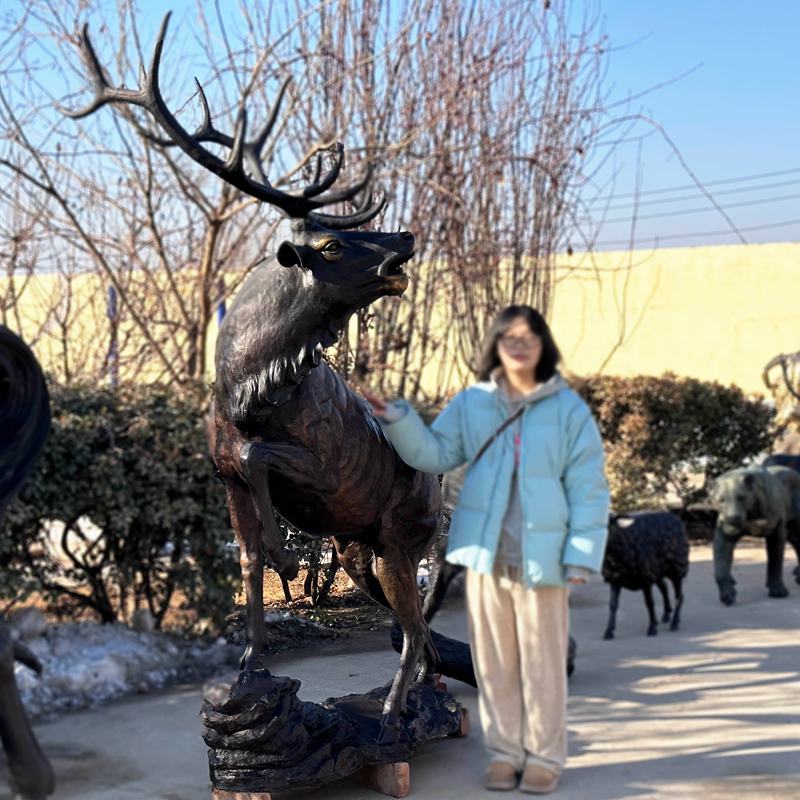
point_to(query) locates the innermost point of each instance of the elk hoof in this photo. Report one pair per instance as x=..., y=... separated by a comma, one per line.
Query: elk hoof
x=608, y=635
x=389, y=729
x=253, y=659
x=652, y=631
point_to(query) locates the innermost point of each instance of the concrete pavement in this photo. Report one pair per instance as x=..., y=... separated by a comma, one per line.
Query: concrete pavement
x=710, y=711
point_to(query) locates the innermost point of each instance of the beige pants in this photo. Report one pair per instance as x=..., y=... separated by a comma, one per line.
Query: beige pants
x=519, y=649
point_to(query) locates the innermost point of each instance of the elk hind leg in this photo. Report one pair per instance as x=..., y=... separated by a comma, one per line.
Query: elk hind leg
x=356, y=559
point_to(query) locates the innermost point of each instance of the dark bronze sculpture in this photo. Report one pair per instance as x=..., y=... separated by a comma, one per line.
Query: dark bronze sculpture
x=291, y=435
x=24, y=424
x=761, y=501
x=646, y=548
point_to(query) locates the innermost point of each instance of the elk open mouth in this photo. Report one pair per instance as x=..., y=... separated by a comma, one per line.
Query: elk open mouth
x=395, y=280
x=394, y=264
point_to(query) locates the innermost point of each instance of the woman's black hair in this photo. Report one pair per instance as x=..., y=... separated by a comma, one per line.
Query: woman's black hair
x=550, y=357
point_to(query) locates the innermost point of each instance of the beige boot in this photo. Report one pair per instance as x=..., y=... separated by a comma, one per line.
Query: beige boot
x=538, y=779
x=500, y=776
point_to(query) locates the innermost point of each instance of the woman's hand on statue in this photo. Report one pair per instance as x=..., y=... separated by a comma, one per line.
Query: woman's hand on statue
x=376, y=401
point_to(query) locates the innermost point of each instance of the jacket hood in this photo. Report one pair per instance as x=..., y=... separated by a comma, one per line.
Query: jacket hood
x=546, y=389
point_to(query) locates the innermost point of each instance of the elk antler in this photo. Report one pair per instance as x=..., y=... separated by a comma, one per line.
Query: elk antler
x=299, y=204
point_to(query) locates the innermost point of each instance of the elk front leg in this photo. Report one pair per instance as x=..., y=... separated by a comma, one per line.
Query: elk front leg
x=30, y=773
x=397, y=576
x=248, y=537
x=255, y=463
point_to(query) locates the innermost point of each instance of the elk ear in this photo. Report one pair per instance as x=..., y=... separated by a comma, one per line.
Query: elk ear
x=290, y=255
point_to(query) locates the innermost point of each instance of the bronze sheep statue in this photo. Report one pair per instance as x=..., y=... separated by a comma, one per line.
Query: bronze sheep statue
x=646, y=548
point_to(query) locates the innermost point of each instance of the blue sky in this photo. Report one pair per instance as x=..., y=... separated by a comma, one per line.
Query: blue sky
x=736, y=115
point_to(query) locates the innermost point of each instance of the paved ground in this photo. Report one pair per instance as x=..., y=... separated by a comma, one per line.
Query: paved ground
x=711, y=711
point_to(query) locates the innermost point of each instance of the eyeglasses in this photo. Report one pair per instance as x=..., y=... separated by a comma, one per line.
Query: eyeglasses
x=520, y=342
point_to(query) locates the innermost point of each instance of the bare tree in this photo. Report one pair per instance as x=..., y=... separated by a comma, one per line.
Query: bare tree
x=480, y=117
x=125, y=208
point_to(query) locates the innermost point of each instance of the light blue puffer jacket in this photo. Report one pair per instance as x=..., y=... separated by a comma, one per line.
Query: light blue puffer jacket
x=563, y=490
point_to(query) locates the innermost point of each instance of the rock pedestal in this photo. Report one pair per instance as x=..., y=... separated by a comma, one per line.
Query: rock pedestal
x=263, y=739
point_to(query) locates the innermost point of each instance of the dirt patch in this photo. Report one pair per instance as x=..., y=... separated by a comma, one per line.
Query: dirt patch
x=347, y=614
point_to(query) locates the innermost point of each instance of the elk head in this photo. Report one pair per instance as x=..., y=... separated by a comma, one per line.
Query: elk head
x=356, y=267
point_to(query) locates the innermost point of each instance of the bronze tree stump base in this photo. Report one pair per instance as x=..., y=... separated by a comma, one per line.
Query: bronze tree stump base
x=263, y=739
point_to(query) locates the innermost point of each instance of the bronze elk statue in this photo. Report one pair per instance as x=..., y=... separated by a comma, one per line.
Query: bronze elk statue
x=290, y=434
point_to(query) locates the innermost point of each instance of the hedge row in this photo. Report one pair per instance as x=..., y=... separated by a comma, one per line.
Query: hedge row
x=673, y=435
x=123, y=509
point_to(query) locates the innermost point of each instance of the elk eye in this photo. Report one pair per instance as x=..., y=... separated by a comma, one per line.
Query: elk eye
x=332, y=250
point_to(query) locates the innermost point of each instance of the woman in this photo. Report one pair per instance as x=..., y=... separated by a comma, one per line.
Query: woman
x=531, y=519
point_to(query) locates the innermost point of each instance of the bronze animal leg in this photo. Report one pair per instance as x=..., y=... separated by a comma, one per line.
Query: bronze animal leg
x=662, y=587
x=652, y=628
x=793, y=537
x=677, y=582
x=396, y=573
x=248, y=536
x=30, y=773
x=443, y=576
x=776, y=544
x=613, y=605
x=356, y=559
x=255, y=462
x=723, y=562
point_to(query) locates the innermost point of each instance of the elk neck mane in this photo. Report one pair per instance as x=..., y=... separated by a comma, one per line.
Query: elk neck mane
x=274, y=334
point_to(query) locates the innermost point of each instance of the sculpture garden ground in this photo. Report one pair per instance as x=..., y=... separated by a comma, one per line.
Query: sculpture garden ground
x=708, y=711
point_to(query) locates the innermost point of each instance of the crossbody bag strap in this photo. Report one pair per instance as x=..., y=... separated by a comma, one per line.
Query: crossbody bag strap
x=506, y=422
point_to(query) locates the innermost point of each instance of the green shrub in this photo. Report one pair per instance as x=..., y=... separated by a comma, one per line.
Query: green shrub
x=673, y=433
x=129, y=477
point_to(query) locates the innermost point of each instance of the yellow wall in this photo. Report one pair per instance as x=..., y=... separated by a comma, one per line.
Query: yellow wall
x=715, y=313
